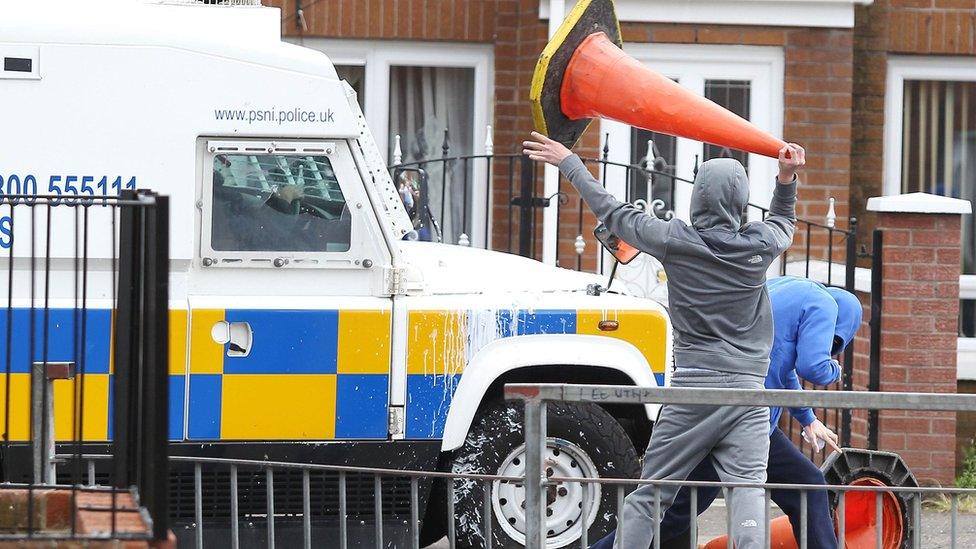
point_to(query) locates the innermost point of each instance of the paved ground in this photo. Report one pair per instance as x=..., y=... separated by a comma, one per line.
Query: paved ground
x=936, y=528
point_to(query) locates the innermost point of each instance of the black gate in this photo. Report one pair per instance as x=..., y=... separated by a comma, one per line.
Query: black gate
x=85, y=339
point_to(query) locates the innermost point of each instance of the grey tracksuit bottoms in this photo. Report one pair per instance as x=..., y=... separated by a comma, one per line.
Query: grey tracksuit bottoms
x=735, y=438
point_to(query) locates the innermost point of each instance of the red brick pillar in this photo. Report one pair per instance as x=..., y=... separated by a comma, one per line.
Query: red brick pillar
x=920, y=313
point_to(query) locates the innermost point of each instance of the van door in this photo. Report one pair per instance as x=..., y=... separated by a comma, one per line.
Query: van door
x=289, y=321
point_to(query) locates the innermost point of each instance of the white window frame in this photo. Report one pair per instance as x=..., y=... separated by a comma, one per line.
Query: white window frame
x=786, y=13
x=901, y=68
x=692, y=64
x=361, y=238
x=378, y=56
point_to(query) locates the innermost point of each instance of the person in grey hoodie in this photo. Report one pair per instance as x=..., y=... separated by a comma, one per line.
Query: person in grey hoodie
x=722, y=328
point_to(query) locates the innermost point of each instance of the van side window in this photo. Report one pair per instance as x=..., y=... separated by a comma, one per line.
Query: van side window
x=275, y=202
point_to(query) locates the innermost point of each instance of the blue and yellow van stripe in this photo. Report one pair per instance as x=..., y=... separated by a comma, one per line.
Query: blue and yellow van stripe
x=439, y=343
x=310, y=375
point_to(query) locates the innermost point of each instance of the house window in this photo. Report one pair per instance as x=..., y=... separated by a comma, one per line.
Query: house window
x=930, y=142
x=417, y=90
x=430, y=108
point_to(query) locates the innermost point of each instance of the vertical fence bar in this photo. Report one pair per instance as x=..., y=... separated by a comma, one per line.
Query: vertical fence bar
x=841, y=519
x=378, y=509
x=306, y=510
x=878, y=520
x=804, y=518
x=8, y=357
x=91, y=472
x=535, y=443
x=511, y=201
x=584, y=513
x=235, y=527
x=954, y=509
x=917, y=521
x=488, y=199
x=767, y=518
x=414, y=515
x=486, y=514
x=526, y=194
x=269, y=500
x=693, y=519
x=621, y=537
x=727, y=495
x=343, y=529
x=127, y=336
x=657, y=517
x=451, y=534
x=874, y=370
x=154, y=390
x=197, y=503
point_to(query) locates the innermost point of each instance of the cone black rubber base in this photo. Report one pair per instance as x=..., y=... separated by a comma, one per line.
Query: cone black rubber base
x=586, y=18
x=854, y=463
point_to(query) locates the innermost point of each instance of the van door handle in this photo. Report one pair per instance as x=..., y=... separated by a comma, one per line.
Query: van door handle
x=238, y=337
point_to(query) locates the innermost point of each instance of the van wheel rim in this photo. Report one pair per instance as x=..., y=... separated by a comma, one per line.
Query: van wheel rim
x=564, y=501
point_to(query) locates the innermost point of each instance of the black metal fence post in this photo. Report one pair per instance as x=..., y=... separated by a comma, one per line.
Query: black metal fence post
x=527, y=187
x=128, y=308
x=874, y=372
x=847, y=377
x=154, y=473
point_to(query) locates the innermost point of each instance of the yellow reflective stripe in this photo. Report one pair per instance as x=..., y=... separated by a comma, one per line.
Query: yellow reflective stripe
x=177, y=340
x=364, y=342
x=278, y=407
x=436, y=342
x=646, y=330
x=206, y=355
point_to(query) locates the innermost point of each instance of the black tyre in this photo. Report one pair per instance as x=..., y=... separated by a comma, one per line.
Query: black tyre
x=583, y=440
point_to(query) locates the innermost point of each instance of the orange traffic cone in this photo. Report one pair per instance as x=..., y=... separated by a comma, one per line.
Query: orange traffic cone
x=583, y=74
x=860, y=522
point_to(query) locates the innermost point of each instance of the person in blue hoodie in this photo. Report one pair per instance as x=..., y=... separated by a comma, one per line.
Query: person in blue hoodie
x=812, y=324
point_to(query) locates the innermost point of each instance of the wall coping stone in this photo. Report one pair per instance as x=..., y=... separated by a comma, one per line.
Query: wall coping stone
x=919, y=203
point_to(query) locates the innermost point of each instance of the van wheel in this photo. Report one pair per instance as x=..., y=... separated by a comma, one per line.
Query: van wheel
x=583, y=441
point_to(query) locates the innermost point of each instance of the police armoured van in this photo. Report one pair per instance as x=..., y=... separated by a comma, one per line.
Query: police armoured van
x=306, y=323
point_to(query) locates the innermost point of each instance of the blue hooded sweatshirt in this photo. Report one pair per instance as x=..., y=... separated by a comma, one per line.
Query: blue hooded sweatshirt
x=811, y=324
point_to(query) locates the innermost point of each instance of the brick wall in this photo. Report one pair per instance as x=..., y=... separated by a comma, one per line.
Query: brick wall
x=918, y=343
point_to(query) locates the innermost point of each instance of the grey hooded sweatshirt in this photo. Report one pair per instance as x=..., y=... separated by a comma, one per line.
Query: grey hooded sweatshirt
x=716, y=266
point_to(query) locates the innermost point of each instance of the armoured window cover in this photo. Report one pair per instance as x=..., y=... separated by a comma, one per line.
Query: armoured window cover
x=270, y=202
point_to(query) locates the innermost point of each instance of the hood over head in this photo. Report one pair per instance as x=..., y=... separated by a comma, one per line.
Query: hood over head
x=720, y=195
x=849, y=313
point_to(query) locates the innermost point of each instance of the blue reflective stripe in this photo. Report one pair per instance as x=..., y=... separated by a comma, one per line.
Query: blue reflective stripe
x=176, y=392
x=541, y=321
x=61, y=337
x=428, y=400
x=361, y=404
x=287, y=342
x=205, y=396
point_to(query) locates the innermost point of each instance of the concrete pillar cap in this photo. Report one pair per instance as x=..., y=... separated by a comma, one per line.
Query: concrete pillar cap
x=924, y=203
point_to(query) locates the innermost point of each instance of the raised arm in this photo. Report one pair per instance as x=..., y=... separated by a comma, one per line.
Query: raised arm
x=643, y=231
x=781, y=221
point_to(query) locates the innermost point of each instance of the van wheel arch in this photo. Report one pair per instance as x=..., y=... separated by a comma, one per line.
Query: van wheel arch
x=632, y=417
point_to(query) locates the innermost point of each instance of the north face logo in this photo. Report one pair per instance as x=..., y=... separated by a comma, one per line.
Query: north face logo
x=755, y=259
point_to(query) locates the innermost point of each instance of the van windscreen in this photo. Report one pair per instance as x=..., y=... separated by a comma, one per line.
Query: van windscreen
x=275, y=202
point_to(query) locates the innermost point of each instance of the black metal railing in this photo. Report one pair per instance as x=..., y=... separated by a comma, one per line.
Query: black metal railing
x=85, y=338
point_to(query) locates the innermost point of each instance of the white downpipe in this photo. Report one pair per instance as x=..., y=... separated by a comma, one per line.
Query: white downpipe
x=557, y=12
